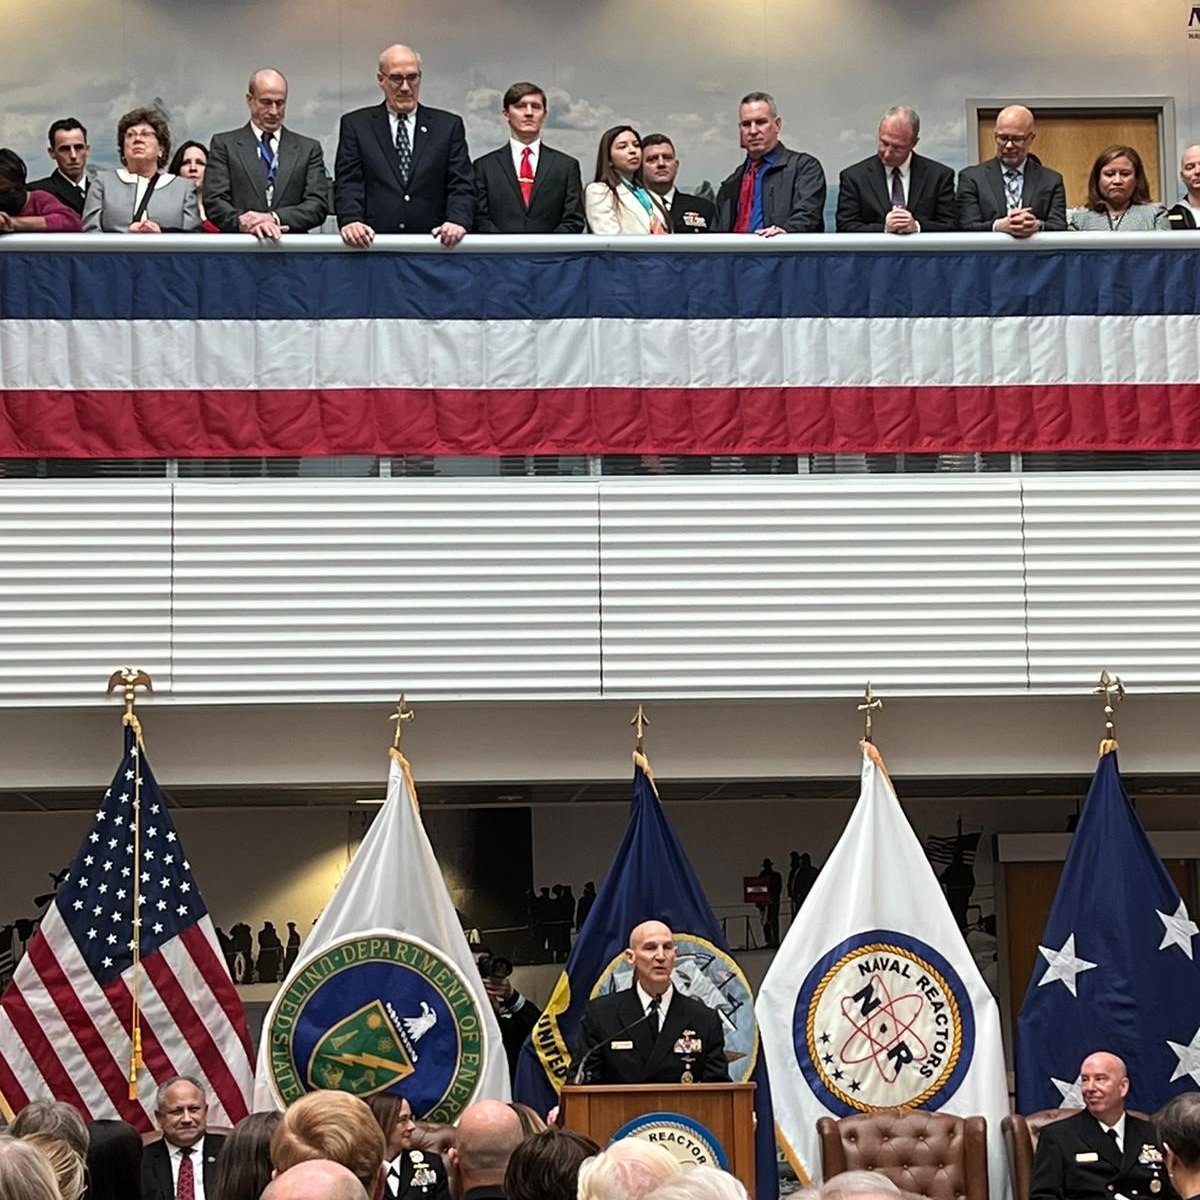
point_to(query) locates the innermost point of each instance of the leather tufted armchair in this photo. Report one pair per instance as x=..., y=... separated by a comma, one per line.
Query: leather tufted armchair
x=924, y=1153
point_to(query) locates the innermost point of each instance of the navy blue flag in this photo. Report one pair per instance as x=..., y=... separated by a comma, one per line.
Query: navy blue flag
x=651, y=879
x=1115, y=967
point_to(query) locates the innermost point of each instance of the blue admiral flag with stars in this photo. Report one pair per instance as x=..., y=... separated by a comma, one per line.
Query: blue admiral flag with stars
x=1116, y=967
x=66, y=1016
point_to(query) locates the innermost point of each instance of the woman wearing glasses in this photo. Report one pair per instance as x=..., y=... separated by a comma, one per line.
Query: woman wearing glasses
x=411, y=1174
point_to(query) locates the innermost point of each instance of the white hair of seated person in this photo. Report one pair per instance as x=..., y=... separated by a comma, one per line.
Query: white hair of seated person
x=701, y=1183
x=24, y=1172
x=858, y=1184
x=628, y=1170
x=316, y=1179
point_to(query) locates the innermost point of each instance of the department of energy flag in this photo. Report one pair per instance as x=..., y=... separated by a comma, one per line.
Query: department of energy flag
x=1116, y=967
x=385, y=993
x=873, y=1000
x=65, y=1017
x=651, y=879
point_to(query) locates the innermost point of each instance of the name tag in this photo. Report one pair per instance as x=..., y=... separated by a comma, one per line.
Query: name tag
x=1087, y=1156
x=620, y=1045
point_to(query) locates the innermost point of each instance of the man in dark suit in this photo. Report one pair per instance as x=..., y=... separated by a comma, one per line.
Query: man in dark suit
x=688, y=214
x=775, y=190
x=488, y=1133
x=895, y=190
x=526, y=187
x=1012, y=193
x=69, y=150
x=650, y=1033
x=183, y=1163
x=263, y=178
x=1104, y=1151
x=402, y=167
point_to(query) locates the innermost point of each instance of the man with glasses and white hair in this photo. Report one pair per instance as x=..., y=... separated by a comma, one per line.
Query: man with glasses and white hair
x=402, y=167
x=1012, y=193
x=183, y=1165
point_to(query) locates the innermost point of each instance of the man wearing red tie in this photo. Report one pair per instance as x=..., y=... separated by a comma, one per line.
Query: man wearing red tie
x=527, y=187
x=183, y=1164
x=775, y=190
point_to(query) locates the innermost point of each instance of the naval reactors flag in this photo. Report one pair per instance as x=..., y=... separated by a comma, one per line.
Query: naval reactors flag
x=1116, y=967
x=873, y=1000
x=385, y=995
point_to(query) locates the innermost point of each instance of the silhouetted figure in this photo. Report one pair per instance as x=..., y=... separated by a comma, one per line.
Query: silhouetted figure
x=801, y=878
x=293, y=948
x=270, y=954
x=586, y=900
x=770, y=914
x=227, y=950
x=242, y=941
x=958, y=882
x=543, y=915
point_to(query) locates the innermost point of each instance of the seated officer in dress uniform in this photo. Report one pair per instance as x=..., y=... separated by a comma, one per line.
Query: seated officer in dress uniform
x=411, y=1174
x=1103, y=1152
x=650, y=1033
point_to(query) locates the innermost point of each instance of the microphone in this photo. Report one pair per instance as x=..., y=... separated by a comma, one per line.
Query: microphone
x=585, y=1061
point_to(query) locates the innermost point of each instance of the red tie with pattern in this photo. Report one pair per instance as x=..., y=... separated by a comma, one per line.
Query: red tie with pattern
x=185, y=1186
x=746, y=197
x=525, y=179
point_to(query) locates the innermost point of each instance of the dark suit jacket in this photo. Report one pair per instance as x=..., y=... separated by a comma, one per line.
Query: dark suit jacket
x=865, y=196
x=555, y=204
x=650, y=1060
x=60, y=188
x=156, y=1168
x=367, y=185
x=793, y=194
x=692, y=214
x=235, y=181
x=981, y=196
x=1077, y=1160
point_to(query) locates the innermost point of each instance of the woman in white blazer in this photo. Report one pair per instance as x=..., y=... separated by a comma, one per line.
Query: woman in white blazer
x=140, y=197
x=618, y=202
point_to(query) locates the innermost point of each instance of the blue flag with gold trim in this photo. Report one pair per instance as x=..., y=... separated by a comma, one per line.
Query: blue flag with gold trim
x=1114, y=966
x=651, y=879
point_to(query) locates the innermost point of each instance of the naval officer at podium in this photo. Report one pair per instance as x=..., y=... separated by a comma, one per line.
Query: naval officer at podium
x=650, y=1033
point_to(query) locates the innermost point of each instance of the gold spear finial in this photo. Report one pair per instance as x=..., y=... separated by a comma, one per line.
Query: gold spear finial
x=401, y=716
x=1113, y=691
x=639, y=723
x=871, y=703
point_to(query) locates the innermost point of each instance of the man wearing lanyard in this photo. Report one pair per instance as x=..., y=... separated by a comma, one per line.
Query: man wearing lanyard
x=183, y=1164
x=264, y=179
x=775, y=190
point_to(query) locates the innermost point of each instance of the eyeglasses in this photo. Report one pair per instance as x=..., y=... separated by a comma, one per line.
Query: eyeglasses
x=1013, y=139
x=412, y=80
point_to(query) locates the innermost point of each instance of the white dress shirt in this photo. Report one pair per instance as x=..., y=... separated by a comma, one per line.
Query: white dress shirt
x=519, y=148
x=409, y=119
x=644, y=997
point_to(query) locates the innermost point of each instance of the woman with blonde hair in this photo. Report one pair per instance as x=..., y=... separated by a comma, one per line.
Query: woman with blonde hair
x=24, y=1172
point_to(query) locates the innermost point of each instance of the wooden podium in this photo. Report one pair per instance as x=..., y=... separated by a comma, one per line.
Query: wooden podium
x=726, y=1110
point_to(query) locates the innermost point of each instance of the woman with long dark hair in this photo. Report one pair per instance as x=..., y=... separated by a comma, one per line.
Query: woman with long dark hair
x=617, y=201
x=244, y=1162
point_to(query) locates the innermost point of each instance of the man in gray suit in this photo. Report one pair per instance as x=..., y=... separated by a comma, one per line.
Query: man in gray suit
x=263, y=178
x=1012, y=193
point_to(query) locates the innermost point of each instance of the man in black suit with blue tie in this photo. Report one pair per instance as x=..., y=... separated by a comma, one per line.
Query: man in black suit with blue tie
x=527, y=187
x=896, y=190
x=264, y=179
x=402, y=167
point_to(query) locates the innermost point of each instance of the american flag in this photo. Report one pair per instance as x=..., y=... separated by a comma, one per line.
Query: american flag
x=65, y=1017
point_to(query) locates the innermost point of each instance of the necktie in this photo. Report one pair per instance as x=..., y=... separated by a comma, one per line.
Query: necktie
x=525, y=178
x=394, y=1179
x=403, y=148
x=746, y=197
x=897, y=189
x=655, y=1003
x=1012, y=189
x=270, y=160
x=1112, y=1133
x=185, y=1185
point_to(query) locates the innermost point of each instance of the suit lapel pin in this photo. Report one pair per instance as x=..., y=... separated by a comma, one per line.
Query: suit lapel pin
x=424, y=130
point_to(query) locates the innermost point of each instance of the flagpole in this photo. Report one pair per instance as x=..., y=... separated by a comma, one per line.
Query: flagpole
x=402, y=716
x=130, y=680
x=1113, y=691
x=639, y=723
x=871, y=703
